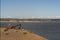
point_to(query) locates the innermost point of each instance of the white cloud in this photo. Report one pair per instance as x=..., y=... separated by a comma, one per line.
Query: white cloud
x=53, y=16
x=9, y=17
x=57, y=16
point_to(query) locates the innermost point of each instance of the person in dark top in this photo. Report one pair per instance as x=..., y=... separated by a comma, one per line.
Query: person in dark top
x=19, y=26
x=13, y=27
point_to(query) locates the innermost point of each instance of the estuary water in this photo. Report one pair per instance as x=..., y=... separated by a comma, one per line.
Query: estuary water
x=49, y=30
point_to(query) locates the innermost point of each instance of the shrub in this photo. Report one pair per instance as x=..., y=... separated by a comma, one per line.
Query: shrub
x=5, y=30
x=24, y=32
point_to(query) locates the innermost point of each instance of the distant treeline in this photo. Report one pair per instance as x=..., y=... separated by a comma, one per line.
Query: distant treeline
x=34, y=19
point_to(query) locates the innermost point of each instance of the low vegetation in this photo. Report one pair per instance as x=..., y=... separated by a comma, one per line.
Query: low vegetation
x=5, y=30
x=25, y=33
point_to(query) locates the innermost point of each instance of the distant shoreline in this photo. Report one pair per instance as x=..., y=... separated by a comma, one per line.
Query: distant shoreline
x=15, y=21
x=29, y=21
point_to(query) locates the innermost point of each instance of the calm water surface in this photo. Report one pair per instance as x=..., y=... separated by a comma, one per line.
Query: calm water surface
x=49, y=30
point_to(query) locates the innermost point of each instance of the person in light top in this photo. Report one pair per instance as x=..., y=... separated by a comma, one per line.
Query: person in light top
x=9, y=26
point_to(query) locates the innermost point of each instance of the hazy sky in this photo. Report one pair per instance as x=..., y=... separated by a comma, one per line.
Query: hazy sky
x=30, y=8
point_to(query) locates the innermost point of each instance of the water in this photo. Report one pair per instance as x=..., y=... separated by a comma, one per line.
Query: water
x=49, y=30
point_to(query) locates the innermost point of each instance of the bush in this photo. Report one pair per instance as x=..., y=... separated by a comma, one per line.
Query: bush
x=24, y=32
x=5, y=30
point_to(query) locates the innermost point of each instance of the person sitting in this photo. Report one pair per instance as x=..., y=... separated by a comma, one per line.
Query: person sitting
x=9, y=26
x=19, y=26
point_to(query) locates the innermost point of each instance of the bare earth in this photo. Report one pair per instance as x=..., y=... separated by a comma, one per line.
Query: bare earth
x=19, y=35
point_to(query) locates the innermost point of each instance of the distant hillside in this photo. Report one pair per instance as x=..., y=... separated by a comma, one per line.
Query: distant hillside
x=7, y=19
x=34, y=19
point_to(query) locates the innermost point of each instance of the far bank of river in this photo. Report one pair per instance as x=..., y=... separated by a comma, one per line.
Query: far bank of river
x=29, y=21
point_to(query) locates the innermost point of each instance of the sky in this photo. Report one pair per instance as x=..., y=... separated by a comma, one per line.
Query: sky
x=30, y=8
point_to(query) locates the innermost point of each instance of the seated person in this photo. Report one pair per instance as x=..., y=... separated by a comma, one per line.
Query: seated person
x=19, y=26
x=9, y=26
